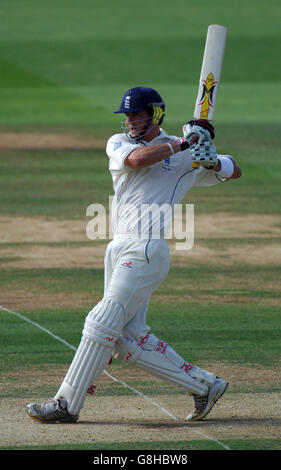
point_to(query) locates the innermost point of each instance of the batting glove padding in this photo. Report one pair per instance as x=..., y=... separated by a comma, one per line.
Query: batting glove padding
x=205, y=154
x=198, y=131
x=204, y=124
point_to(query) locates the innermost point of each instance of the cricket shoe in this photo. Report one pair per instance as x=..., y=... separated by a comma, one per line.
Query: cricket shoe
x=51, y=411
x=203, y=405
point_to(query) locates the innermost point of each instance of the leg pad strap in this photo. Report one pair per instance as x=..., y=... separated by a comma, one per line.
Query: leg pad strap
x=104, y=322
x=157, y=357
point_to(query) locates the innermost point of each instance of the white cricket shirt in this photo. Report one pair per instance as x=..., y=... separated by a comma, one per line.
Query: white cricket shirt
x=144, y=198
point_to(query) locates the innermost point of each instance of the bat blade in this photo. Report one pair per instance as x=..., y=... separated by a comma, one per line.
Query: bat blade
x=210, y=74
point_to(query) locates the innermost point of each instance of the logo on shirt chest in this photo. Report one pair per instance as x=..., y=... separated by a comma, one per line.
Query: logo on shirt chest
x=167, y=164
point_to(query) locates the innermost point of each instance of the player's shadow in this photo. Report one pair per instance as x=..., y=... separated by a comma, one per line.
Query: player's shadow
x=146, y=424
x=224, y=422
x=141, y=424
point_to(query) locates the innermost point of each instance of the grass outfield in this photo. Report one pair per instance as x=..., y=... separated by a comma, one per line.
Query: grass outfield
x=67, y=65
x=64, y=68
x=64, y=183
x=244, y=445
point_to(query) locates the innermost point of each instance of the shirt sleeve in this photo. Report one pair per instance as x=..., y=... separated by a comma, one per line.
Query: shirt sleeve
x=117, y=149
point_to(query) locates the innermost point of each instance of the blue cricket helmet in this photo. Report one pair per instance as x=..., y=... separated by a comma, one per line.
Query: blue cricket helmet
x=140, y=99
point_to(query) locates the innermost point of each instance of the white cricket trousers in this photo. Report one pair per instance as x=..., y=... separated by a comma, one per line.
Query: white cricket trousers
x=133, y=269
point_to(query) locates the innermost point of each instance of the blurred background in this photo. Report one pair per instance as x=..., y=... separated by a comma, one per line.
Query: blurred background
x=65, y=66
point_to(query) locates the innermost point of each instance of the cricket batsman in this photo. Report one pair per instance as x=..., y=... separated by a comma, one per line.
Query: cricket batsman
x=148, y=167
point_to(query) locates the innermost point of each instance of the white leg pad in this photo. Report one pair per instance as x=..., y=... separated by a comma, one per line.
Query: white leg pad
x=102, y=327
x=158, y=358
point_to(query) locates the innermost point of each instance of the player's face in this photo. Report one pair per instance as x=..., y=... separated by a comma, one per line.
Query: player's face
x=136, y=122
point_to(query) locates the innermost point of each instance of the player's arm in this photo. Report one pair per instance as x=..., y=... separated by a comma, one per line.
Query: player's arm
x=195, y=130
x=236, y=169
x=146, y=156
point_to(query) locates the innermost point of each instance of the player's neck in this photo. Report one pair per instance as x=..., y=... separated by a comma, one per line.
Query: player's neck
x=150, y=135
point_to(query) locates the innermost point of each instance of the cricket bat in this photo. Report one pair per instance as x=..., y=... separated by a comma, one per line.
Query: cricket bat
x=210, y=74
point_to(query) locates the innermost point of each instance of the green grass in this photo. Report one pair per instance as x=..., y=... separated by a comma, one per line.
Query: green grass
x=64, y=183
x=102, y=62
x=67, y=70
x=69, y=65
x=68, y=20
x=54, y=280
x=53, y=182
x=190, y=445
x=250, y=330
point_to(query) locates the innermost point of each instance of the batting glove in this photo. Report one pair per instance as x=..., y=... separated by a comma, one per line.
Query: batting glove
x=204, y=124
x=205, y=154
x=198, y=131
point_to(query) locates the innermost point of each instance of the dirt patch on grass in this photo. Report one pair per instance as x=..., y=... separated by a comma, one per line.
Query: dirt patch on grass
x=47, y=242
x=236, y=254
x=27, y=229
x=37, y=256
x=239, y=414
x=24, y=229
x=48, y=141
x=21, y=300
x=25, y=236
x=92, y=255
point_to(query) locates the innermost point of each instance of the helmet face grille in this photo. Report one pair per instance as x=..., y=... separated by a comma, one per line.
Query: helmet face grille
x=145, y=124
